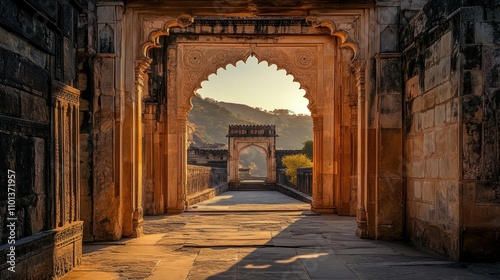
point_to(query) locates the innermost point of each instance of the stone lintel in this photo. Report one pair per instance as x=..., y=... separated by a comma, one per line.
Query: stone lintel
x=65, y=93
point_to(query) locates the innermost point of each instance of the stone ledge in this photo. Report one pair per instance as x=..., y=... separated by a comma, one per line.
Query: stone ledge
x=206, y=194
x=293, y=193
x=45, y=255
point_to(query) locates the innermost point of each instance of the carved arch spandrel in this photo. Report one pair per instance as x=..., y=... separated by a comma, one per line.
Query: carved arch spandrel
x=200, y=62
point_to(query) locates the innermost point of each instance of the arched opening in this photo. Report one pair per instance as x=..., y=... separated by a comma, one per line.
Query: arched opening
x=249, y=93
x=257, y=84
x=252, y=163
x=311, y=64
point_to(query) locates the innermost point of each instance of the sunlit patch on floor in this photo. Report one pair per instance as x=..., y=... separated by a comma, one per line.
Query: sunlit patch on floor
x=308, y=256
x=251, y=266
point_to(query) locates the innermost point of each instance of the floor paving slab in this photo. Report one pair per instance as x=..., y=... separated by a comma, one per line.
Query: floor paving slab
x=263, y=245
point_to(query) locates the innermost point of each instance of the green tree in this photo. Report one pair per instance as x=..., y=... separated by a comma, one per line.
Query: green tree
x=308, y=149
x=293, y=162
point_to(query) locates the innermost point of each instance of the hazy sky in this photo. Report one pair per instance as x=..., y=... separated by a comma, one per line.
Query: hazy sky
x=256, y=85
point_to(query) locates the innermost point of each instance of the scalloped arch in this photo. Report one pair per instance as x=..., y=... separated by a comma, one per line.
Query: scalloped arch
x=299, y=62
x=307, y=94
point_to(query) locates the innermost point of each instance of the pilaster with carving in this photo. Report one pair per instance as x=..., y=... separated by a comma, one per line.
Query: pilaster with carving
x=65, y=127
x=317, y=188
x=65, y=100
x=141, y=76
x=359, y=68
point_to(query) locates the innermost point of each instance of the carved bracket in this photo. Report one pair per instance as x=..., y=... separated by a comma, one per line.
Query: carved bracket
x=345, y=39
x=359, y=68
x=182, y=21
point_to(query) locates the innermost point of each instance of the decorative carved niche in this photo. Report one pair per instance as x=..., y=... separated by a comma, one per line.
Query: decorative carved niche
x=106, y=39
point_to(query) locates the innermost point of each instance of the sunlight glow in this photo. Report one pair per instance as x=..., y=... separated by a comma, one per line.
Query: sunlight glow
x=256, y=85
x=308, y=256
x=257, y=266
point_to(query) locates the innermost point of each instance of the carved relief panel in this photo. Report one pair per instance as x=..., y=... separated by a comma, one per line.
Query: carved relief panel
x=65, y=114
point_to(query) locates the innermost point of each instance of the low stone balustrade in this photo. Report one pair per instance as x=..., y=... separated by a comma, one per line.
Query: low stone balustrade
x=304, y=179
x=204, y=183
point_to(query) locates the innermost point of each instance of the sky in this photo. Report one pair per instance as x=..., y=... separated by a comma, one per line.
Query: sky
x=256, y=85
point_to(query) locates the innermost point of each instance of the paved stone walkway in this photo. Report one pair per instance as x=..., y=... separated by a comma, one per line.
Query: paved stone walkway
x=236, y=244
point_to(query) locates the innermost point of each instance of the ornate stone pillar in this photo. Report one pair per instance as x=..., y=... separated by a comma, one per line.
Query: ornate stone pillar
x=109, y=170
x=182, y=156
x=137, y=191
x=158, y=165
x=317, y=188
x=173, y=135
x=360, y=72
x=65, y=128
x=151, y=162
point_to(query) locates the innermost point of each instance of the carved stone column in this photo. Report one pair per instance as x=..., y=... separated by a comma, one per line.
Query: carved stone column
x=65, y=128
x=360, y=72
x=149, y=163
x=137, y=191
x=317, y=188
x=110, y=161
x=182, y=152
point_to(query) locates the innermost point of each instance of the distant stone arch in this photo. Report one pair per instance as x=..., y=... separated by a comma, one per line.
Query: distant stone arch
x=244, y=136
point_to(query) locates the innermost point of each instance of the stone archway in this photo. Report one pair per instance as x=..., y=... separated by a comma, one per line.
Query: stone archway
x=313, y=56
x=320, y=52
x=242, y=136
x=309, y=63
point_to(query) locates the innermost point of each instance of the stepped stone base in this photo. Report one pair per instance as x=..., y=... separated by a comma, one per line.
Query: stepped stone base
x=252, y=186
x=206, y=194
x=46, y=255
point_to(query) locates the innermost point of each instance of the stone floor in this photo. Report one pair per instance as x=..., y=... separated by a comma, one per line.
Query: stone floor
x=223, y=239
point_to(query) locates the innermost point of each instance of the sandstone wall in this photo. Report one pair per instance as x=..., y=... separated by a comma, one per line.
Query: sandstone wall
x=451, y=144
x=39, y=135
x=480, y=131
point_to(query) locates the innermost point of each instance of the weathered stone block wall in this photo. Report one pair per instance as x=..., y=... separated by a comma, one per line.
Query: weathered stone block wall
x=37, y=87
x=451, y=141
x=480, y=131
x=432, y=77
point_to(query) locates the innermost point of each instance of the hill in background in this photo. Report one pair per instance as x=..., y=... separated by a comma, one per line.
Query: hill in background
x=209, y=120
